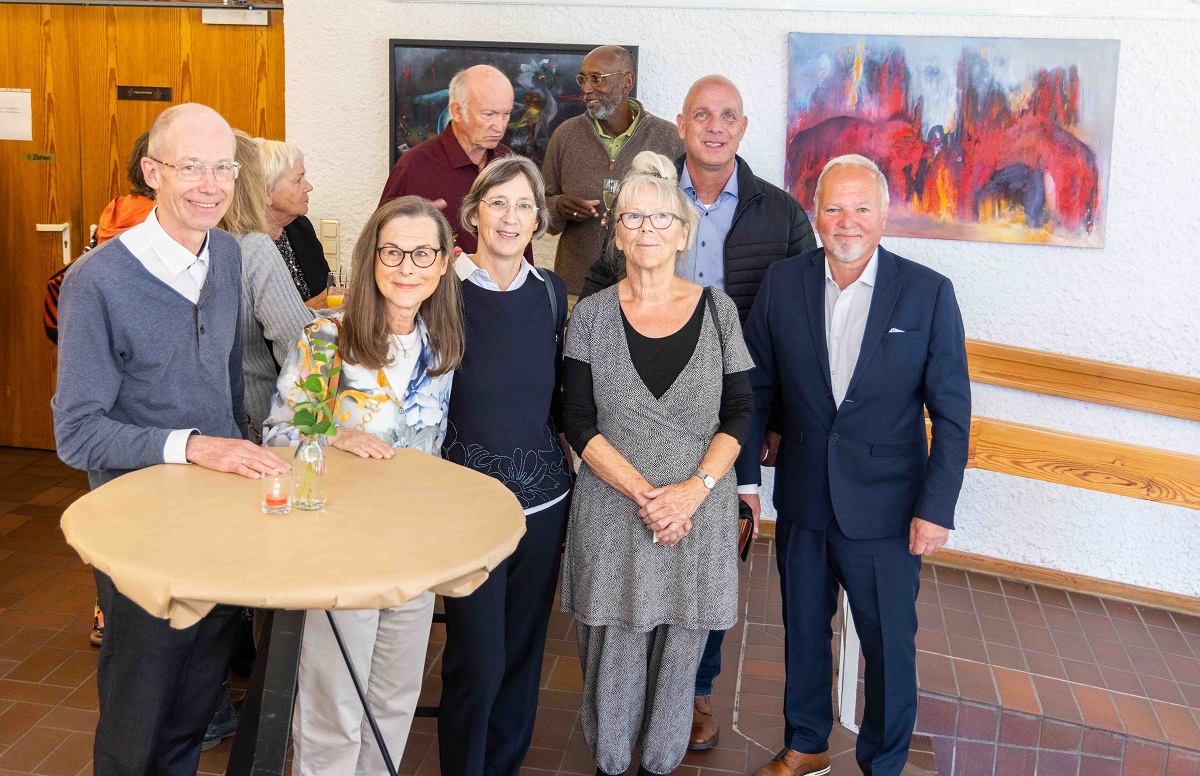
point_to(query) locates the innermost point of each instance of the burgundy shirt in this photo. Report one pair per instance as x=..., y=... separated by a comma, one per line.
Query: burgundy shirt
x=439, y=168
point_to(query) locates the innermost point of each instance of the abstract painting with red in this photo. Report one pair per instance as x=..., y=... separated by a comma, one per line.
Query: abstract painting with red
x=989, y=139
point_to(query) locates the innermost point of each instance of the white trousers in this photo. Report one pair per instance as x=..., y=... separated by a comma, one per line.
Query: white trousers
x=330, y=732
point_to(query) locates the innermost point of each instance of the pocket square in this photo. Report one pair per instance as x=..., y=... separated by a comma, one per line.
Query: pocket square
x=894, y=330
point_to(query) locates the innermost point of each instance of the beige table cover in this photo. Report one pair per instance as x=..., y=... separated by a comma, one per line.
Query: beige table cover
x=179, y=539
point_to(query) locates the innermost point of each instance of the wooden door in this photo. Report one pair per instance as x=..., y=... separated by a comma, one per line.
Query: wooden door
x=73, y=58
x=40, y=55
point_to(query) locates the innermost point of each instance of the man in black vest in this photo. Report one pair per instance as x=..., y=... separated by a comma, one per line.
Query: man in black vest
x=746, y=224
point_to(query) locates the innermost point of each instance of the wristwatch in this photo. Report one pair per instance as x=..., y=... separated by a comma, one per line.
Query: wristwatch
x=707, y=479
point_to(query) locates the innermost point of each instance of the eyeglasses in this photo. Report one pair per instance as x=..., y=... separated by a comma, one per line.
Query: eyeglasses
x=192, y=171
x=422, y=256
x=596, y=79
x=657, y=220
x=500, y=206
x=703, y=117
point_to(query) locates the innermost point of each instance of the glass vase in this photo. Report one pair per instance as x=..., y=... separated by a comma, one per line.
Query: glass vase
x=308, y=473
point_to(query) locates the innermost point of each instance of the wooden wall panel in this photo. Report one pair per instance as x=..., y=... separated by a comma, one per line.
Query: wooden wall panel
x=1086, y=462
x=1082, y=379
x=73, y=58
x=40, y=55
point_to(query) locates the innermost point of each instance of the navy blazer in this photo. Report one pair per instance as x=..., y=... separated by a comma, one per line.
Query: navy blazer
x=866, y=464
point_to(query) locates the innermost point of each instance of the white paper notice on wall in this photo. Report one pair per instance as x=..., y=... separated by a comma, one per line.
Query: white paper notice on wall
x=16, y=114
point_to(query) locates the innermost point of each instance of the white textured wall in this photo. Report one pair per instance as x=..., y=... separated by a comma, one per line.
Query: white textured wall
x=1134, y=302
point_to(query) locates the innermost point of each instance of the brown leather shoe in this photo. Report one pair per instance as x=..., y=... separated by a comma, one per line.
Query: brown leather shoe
x=792, y=763
x=704, y=728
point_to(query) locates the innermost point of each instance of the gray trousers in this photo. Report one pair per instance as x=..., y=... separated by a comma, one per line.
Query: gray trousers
x=637, y=691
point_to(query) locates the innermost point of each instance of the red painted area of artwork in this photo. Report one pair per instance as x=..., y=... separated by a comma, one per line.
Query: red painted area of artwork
x=1005, y=157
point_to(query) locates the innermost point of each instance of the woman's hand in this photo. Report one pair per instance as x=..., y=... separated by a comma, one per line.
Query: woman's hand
x=668, y=510
x=361, y=443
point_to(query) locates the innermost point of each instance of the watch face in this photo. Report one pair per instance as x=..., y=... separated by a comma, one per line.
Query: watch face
x=709, y=482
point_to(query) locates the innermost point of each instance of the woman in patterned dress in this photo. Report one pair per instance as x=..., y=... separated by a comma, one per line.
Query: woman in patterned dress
x=400, y=336
x=657, y=402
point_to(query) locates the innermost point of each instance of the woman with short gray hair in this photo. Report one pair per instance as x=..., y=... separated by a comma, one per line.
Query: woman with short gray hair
x=657, y=403
x=503, y=422
x=287, y=208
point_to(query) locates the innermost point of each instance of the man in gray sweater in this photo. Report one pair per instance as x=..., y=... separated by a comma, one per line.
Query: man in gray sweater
x=150, y=372
x=587, y=149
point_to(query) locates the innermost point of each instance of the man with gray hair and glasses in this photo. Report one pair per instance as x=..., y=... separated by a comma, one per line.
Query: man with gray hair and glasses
x=150, y=372
x=593, y=149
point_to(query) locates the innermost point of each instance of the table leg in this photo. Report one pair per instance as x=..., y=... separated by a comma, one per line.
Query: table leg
x=261, y=744
x=362, y=696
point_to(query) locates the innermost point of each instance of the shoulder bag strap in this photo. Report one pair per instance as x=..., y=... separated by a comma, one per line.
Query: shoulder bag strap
x=553, y=307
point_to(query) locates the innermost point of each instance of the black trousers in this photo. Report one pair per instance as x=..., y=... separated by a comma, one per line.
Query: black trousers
x=158, y=686
x=881, y=580
x=492, y=664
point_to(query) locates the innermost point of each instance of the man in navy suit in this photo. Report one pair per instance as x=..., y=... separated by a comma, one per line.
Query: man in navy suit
x=857, y=344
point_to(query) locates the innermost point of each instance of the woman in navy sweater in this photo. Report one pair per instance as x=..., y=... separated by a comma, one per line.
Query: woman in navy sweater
x=503, y=422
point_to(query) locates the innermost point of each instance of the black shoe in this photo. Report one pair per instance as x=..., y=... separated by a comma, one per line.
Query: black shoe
x=643, y=772
x=224, y=723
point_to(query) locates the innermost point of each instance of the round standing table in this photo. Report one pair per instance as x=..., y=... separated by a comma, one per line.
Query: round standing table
x=177, y=540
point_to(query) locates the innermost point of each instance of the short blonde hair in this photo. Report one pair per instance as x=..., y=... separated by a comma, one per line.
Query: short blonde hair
x=278, y=159
x=657, y=172
x=497, y=173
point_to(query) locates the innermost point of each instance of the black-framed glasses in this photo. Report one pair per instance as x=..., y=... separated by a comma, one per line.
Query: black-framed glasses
x=499, y=207
x=191, y=170
x=596, y=79
x=422, y=256
x=657, y=220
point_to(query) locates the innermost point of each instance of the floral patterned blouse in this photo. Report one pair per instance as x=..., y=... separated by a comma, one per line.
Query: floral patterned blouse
x=412, y=416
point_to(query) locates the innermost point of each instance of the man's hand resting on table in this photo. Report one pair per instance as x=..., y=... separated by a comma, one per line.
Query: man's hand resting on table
x=233, y=455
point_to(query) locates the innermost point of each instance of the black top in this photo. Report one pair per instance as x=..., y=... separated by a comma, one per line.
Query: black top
x=501, y=418
x=658, y=361
x=309, y=255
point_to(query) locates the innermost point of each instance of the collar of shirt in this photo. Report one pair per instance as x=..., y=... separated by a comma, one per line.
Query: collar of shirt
x=149, y=236
x=468, y=271
x=455, y=154
x=869, y=273
x=634, y=106
x=730, y=190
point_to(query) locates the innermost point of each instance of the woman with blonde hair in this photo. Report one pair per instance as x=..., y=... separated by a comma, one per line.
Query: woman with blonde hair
x=272, y=314
x=657, y=402
x=399, y=338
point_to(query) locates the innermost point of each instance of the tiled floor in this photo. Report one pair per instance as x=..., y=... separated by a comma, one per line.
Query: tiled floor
x=1015, y=679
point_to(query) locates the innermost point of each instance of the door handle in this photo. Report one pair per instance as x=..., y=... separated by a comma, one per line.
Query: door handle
x=65, y=230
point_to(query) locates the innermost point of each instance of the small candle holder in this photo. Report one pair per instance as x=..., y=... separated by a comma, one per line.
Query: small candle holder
x=276, y=493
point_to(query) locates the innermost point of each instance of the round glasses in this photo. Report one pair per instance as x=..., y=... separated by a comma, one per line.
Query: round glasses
x=657, y=220
x=422, y=257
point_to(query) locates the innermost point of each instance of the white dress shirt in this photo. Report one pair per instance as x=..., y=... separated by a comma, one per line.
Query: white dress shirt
x=469, y=272
x=845, y=321
x=180, y=269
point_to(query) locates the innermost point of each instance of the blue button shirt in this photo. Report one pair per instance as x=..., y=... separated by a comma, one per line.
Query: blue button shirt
x=705, y=262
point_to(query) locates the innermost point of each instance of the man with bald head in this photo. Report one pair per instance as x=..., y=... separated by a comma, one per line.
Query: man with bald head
x=442, y=168
x=587, y=149
x=150, y=372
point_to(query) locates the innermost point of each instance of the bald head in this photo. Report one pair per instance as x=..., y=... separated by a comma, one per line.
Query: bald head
x=619, y=57
x=712, y=125
x=713, y=85
x=179, y=118
x=481, y=103
x=479, y=80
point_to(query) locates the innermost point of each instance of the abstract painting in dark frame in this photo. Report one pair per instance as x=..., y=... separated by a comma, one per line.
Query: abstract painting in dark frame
x=543, y=76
